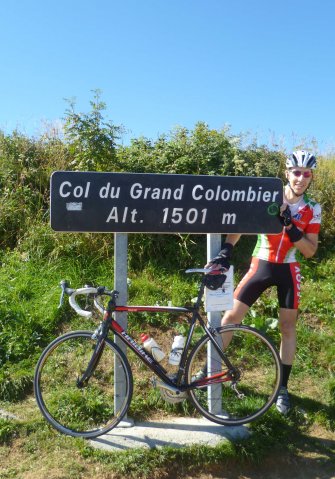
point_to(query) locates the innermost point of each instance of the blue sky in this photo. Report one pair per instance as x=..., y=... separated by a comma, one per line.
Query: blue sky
x=262, y=66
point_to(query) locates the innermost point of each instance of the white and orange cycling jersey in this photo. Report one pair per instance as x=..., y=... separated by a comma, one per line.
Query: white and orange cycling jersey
x=306, y=215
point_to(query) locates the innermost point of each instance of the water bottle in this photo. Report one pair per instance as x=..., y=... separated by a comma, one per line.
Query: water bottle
x=176, y=350
x=152, y=347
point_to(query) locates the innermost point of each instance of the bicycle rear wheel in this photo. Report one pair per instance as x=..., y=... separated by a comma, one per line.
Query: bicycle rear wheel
x=87, y=410
x=229, y=400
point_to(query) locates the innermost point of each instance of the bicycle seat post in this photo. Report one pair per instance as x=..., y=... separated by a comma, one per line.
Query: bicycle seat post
x=200, y=293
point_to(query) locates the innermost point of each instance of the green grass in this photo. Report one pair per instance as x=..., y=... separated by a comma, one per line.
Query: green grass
x=272, y=435
x=33, y=259
x=30, y=318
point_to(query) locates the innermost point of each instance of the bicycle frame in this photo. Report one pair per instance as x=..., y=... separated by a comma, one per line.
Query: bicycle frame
x=147, y=358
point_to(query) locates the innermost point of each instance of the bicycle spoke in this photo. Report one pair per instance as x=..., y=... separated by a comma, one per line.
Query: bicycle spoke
x=237, y=396
x=81, y=408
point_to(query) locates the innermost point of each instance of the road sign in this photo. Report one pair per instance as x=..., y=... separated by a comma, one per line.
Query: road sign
x=164, y=203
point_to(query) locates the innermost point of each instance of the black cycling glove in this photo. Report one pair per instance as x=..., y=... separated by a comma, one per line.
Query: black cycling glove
x=224, y=256
x=294, y=234
x=286, y=217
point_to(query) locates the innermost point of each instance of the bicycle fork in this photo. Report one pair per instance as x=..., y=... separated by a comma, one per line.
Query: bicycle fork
x=96, y=355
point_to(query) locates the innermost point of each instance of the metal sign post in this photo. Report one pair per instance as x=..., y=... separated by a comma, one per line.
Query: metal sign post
x=120, y=284
x=214, y=320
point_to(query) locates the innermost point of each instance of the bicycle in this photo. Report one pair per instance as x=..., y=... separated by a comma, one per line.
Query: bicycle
x=83, y=380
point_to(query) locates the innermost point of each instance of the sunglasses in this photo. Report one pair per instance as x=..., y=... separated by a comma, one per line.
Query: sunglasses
x=298, y=173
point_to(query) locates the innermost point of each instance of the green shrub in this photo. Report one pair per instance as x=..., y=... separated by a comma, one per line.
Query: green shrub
x=324, y=192
x=7, y=430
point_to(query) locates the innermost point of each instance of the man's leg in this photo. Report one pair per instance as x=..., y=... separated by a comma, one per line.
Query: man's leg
x=287, y=326
x=249, y=289
x=235, y=315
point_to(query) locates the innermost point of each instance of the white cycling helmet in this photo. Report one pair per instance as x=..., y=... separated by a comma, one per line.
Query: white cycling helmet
x=301, y=159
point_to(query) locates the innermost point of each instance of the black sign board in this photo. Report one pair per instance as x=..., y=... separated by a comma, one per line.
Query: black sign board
x=156, y=203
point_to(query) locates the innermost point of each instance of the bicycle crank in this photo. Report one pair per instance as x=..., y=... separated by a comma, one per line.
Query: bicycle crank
x=170, y=394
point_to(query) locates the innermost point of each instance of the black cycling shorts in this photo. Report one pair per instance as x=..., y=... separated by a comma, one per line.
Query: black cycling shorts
x=263, y=274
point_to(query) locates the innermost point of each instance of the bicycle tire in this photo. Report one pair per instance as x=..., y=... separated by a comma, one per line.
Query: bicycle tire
x=258, y=363
x=82, y=411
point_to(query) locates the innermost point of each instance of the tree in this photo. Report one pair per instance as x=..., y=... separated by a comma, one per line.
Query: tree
x=91, y=139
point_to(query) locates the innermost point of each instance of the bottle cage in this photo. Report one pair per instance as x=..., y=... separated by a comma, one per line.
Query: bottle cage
x=214, y=281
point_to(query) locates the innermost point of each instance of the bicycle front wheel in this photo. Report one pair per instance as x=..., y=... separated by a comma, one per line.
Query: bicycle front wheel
x=237, y=395
x=86, y=409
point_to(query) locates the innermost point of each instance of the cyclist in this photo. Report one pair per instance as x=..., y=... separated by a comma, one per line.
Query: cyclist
x=274, y=261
